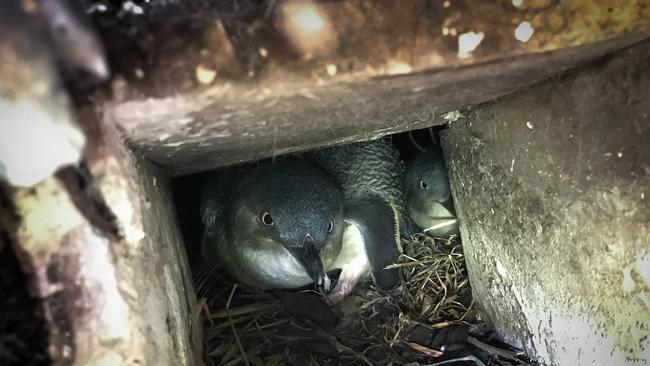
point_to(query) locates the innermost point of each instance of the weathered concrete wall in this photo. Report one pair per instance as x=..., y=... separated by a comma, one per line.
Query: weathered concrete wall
x=107, y=258
x=552, y=187
x=161, y=276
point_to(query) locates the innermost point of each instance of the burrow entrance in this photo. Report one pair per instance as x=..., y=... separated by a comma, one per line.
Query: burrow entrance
x=430, y=317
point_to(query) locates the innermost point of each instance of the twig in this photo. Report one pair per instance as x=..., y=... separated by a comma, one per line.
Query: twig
x=509, y=355
x=433, y=138
x=426, y=350
x=244, y=310
x=456, y=360
x=232, y=326
x=441, y=224
x=420, y=148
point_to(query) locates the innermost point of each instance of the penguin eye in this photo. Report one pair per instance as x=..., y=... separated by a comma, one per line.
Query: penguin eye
x=423, y=185
x=267, y=219
x=330, y=227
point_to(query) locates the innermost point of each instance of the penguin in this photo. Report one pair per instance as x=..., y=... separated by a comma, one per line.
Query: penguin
x=369, y=174
x=428, y=197
x=273, y=226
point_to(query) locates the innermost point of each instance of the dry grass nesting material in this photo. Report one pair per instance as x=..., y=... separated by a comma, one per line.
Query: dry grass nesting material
x=436, y=286
x=251, y=327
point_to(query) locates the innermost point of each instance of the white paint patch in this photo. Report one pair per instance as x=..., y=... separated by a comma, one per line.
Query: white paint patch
x=468, y=42
x=131, y=7
x=35, y=142
x=517, y=3
x=524, y=32
x=501, y=269
x=628, y=281
x=547, y=322
x=449, y=31
x=399, y=68
x=205, y=75
x=264, y=52
x=452, y=116
x=48, y=214
x=331, y=69
x=643, y=266
x=125, y=213
x=96, y=267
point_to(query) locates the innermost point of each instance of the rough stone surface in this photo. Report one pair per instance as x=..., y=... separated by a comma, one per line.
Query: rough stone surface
x=221, y=90
x=347, y=40
x=151, y=264
x=233, y=123
x=552, y=188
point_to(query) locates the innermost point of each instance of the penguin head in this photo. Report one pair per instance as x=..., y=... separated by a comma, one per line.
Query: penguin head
x=290, y=206
x=426, y=182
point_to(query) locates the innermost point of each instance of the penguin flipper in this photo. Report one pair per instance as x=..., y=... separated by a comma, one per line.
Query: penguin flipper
x=408, y=227
x=379, y=224
x=212, y=210
x=208, y=247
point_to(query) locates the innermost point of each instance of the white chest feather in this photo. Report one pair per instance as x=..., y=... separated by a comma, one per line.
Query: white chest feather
x=352, y=261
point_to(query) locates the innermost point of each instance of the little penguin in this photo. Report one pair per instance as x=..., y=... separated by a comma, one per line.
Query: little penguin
x=369, y=174
x=274, y=225
x=428, y=197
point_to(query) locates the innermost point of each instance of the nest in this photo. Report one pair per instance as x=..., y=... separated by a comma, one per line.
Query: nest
x=370, y=327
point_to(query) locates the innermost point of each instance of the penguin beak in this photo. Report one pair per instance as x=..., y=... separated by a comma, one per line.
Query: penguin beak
x=308, y=255
x=448, y=204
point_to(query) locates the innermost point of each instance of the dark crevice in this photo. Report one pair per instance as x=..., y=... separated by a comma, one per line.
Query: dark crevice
x=63, y=305
x=23, y=332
